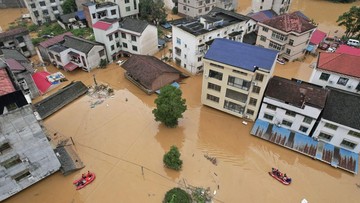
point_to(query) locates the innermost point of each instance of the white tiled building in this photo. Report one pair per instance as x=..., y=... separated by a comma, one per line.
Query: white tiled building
x=127, y=7
x=96, y=11
x=126, y=36
x=235, y=77
x=339, y=124
x=43, y=11
x=191, y=37
x=337, y=70
x=291, y=104
x=195, y=8
x=279, y=6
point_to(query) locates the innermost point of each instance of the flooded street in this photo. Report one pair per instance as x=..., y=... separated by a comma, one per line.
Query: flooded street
x=120, y=141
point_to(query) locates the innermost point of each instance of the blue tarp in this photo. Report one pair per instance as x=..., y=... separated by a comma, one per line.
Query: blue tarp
x=174, y=84
x=166, y=25
x=310, y=48
x=80, y=15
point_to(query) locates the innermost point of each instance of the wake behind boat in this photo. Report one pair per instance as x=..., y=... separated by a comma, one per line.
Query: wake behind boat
x=275, y=173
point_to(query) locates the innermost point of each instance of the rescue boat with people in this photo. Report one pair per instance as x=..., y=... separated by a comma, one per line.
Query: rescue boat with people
x=84, y=180
x=275, y=173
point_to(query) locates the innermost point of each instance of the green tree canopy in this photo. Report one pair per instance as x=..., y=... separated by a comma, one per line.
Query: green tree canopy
x=169, y=106
x=177, y=195
x=351, y=21
x=342, y=1
x=69, y=6
x=172, y=159
x=152, y=11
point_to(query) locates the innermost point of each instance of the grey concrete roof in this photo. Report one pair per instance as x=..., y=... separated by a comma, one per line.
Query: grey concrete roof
x=79, y=44
x=134, y=25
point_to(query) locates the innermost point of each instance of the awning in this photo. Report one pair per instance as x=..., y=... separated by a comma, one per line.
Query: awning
x=310, y=48
x=41, y=81
x=235, y=33
x=70, y=66
x=71, y=53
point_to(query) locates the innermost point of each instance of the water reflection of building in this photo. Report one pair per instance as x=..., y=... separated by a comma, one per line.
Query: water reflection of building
x=26, y=156
x=235, y=77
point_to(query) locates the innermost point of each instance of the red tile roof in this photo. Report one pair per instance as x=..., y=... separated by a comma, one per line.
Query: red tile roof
x=340, y=63
x=317, y=37
x=345, y=49
x=102, y=25
x=54, y=40
x=290, y=23
x=41, y=81
x=5, y=83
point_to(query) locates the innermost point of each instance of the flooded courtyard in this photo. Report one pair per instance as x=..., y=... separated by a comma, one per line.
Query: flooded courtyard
x=120, y=141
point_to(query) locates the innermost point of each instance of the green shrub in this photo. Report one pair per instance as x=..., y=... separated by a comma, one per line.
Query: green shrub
x=103, y=63
x=172, y=159
x=175, y=10
x=33, y=27
x=177, y=195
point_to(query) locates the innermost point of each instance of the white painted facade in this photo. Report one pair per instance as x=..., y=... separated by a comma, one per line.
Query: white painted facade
x=279, y=6
x=338, y=137
x=278, y=115
x=195, y=8
x=44, y=11
x=95, y=12
x=337, y=80
x=189, y=49
x=127, y=7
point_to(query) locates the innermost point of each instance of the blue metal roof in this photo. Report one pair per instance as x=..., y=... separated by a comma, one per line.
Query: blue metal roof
x=241, y=55
x=80, y=15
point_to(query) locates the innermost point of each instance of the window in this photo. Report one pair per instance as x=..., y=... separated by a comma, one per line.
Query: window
x=256, y=89
x=331, y=126
x=200, y=10
x=307, y=120
x=54, y=8
x=348, y=144
x=233, y=107
x=199, y=59
x=112, y=47
x=215, y=74
x=127, y=1
x=123, y=35
x=276, y=46
x=101, y=53
x=278, y=36
x=263, y=38
x=212, y=98
x=51, y=55
x=286, y=123
x=240, y=72
x=290, y=113
x=118, y=44
x=33, y=6
x=124, y=45
x=134, y=48
x=116, y=35
x=45, y=12
x=259, y=77
x=342, y=81
x=252, y=101
x=325, y=136
x=239, y=83
x=127, y=8
x=110, y=37
x=288, y=51
x=358, y=87
x=185, y=56
x=268, y=117
x=42, y=3
x=94, y=15
x=238, y=96
x=23, y=174
x=303, y=129
x=214, y=87
x=291, y=42
x=353, y=133
x=217, y=66
x=11, y=162
x=52, y=1
x=250, y=112
x=272, y=107
x=133, y=38
x=36, y=13
x=135, y=5
x=324, y=76
x=178, y=41
x=265, y=29
x=3, y=147
x=113, y=12
x=58, y=58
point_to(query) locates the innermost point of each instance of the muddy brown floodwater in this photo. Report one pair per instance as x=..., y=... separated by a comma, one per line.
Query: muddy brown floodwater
x=120, y=141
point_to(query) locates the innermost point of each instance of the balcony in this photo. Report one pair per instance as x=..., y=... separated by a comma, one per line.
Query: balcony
x=177, y=51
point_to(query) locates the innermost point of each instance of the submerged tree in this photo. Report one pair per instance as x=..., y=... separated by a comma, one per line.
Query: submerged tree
x=152, y=11
x=177, y=195
x=69, y=6
x=172, y=159
x=169, y=106
x=351, y=21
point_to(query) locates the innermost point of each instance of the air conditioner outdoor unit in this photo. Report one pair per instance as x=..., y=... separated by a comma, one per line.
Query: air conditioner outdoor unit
x=254, y=83
x=349, y=86
x=206, y=75
x=331, y=82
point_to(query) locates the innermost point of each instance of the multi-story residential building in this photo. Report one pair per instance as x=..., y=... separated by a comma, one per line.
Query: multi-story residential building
x=292, y=104
x=129, y=35
x=279, y=6
x=44, y=11
x=235, y=77
x=26, y=156
x=43, y=46
x=337, y=70
x=339, y=124
x=288, y=33
x=229, y=5
x=19, y=39
x=76, y=52
x=127, y=7
x=195, y=7
x=96, y=11
x=191, y=37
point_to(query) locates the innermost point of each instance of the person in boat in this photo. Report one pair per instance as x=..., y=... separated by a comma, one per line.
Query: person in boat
x=83, y=176
x=288, y=180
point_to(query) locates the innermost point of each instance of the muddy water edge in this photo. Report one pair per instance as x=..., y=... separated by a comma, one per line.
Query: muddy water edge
x=120, y=141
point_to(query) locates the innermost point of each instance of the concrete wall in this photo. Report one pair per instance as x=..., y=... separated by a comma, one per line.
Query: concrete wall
x=148, y=41
x=93, y=57
x=28, y=143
